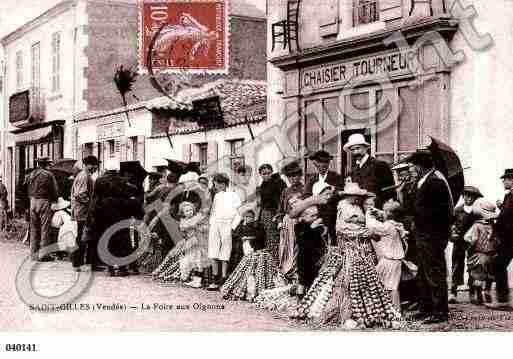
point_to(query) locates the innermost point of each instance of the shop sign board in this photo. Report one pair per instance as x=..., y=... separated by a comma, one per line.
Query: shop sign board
x=359, y=70
x=111, y=130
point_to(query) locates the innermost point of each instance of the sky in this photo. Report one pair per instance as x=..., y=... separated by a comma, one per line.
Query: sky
x=14, y=13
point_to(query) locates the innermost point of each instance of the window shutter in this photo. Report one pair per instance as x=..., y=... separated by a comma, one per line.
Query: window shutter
x=117, y=150
x=186, y=152
x=328, y=22
x=129, y=149
x=390, y=10
x=141, y=153
x=212, y=156
x=123, y=149
x=195, y=149
x=82, y=151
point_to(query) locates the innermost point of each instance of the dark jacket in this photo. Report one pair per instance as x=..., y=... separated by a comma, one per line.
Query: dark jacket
x=333, y=179
x=270, y=192
x=374, y=176
x=311, y=247
x=42, y=184
x=504, y=224
x=328, y=212
x=433, y=212
x=462, y=221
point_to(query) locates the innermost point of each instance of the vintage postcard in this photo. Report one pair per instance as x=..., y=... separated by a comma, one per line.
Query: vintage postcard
x=252, y=165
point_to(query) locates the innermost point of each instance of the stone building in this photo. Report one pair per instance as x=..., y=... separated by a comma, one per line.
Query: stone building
x=59, y=97
x=107, y=133
x=398, y=71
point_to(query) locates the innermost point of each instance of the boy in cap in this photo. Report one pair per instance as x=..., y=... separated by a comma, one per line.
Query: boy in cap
x=224, y=218
x=463, y=221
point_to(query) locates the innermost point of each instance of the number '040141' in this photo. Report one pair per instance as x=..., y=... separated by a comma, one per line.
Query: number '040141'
x=20, y=348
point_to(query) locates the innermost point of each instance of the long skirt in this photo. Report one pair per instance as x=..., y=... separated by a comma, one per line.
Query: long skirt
x=186, y=256
x=288, y=249
x=348, y=288
x=272, y=235
x=255, y=273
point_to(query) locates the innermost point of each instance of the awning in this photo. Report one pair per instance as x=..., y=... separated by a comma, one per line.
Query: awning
x=41, y=132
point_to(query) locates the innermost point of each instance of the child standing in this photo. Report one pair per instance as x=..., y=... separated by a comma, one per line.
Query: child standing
x=224, y=218
x=483, y=248
x=388, y=239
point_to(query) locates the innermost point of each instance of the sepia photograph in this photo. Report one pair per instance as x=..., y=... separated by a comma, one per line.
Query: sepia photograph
x=292, y=166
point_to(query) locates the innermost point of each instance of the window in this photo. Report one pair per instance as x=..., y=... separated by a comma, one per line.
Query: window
x=365, y=12
x=133, y=147
x=87, y=150
x=19, y=69
x=56, y=61
x=320, y=127
x=35, y=53
x=203, y=156
x=112, y=148
x=397, y=139
x=236, y=154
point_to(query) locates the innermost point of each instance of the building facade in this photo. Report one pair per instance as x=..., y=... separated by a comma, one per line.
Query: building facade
x=398, y=71
x=58, y=65
x=108, y=133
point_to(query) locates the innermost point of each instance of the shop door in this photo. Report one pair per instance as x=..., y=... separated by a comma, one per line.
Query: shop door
x=346, y=159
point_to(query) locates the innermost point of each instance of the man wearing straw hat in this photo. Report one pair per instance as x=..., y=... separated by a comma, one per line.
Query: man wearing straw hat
x=42, y=191
x=371, y=174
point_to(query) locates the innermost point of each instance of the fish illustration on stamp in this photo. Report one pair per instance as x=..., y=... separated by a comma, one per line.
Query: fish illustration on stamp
x=184, y=36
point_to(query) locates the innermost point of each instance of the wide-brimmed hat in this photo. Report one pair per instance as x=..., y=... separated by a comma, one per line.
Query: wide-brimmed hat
x=292, y=169
x=355, y=139
x=484, y=209
x=188, y=177
x=60, y=204
x=353, y=189
x=321, y=156
x=111, y=164
x=91, y=160
x=508, y=173
x=422, y=157
x=155, y=175
x=401, y=166
x=472, y=191
x=44, y=160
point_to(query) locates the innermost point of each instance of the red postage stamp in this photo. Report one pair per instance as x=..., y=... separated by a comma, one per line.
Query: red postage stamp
x=184, y=35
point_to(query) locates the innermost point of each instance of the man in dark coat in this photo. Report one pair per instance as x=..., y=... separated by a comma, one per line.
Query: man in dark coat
x=504, y=230
x=433, y=220
x=42, y=191
x=81, y=194
x=371, y=174
x=111, y=204
x=320, y=182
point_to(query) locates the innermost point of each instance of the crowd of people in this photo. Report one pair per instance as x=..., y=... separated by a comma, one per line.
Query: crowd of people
x=360, y=250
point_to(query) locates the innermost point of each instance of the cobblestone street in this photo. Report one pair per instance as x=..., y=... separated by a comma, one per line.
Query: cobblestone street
x=136, y=291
